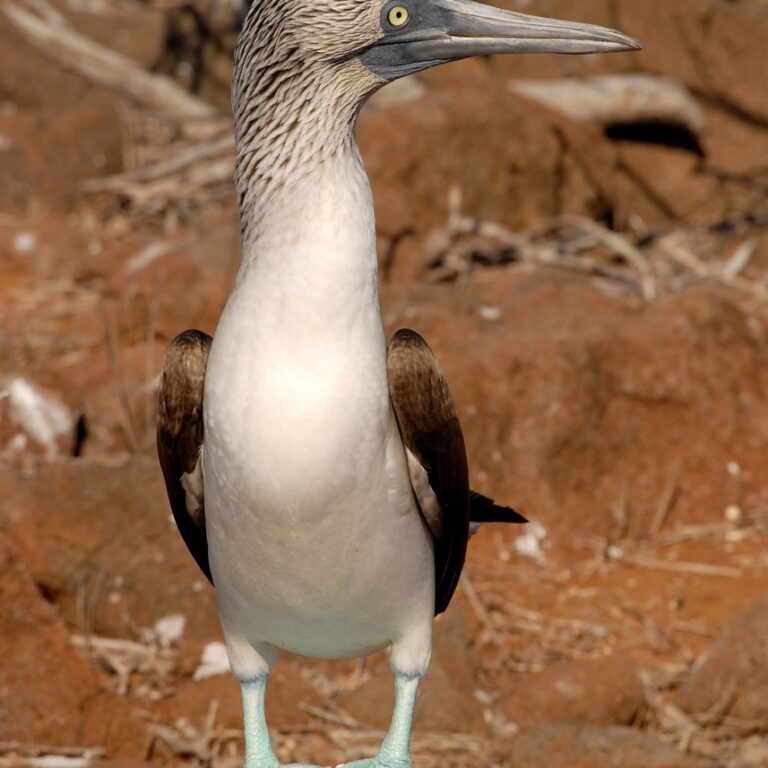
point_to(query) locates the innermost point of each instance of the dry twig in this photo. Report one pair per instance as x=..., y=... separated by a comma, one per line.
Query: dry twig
x=105, y=67
x=27, y=749
x=126, y=659
x=618, y=100
x=210, y=745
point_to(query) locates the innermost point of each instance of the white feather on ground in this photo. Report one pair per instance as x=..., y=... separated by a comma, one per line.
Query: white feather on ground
x=528, y=544
x=41, y=416
x=169, y=629
x=213, y=662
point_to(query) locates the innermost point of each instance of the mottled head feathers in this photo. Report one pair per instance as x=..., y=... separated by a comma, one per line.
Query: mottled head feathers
x=297, y=87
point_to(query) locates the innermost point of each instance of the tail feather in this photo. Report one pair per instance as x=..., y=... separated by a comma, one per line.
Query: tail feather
x=485, y=510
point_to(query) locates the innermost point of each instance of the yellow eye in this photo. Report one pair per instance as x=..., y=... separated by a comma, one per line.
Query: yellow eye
x=398, y=15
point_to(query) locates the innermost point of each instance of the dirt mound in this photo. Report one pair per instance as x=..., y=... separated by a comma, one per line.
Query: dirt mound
x=731, y=679
x=598, y=398
x=562, y=746
x=611, y=686
x=49, y=693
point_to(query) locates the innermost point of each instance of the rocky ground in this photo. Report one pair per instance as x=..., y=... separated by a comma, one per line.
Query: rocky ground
x=596, y=291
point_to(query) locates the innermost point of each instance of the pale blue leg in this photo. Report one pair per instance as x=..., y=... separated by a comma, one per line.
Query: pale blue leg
x=258, y=745
x=395, y=750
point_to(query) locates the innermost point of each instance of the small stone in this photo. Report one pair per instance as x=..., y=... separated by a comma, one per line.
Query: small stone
x=492, y=314
x=24, y=242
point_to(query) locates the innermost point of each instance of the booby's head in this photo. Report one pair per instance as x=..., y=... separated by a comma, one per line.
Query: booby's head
x=394, y=38
x=417, y=34
x=304, y=67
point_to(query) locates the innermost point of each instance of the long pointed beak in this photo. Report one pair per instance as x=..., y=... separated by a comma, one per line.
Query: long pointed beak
x=446, y=30
x=474, y=29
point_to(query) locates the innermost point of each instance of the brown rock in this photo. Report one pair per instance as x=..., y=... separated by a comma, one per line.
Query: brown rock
x=666, y=30
x=731, y=55
x=733, y=675
x=732, y=144
x=595, y=692
x=667, y=174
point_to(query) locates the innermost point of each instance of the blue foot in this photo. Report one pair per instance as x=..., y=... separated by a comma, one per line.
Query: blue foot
x=300, y=765
x=378, y=762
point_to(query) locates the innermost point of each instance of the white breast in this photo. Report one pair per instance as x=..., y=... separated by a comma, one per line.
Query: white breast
x=315, y=541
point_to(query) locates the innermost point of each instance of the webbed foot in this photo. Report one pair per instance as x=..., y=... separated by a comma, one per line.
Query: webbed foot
x=300, y=765
x=378, y=762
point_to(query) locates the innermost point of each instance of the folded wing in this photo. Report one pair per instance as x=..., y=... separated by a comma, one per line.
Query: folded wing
x=180, y=437
x=437, y=458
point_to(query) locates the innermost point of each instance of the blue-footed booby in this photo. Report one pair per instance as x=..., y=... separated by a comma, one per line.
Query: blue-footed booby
x=319, y=476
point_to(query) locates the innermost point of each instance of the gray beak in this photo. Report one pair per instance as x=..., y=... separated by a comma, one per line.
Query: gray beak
x=438, y=31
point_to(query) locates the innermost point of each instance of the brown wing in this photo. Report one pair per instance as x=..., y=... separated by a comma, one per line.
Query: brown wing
x=180, y=437
x=431, y=432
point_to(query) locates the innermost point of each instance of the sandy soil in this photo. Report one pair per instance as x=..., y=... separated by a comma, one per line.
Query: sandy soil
x=614, y=391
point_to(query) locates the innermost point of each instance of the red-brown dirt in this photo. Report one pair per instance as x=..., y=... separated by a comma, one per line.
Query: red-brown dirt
x=631, y=429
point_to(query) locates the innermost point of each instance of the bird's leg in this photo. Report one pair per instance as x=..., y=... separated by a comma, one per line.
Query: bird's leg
x=258, y=745
x=395, y=749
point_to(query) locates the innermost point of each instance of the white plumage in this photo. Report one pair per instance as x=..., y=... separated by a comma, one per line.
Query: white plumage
x=315, y=541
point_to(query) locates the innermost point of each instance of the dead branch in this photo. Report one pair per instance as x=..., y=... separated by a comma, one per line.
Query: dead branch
x=205, y=745
x=666, y=503
x=339, y=717
x=191, y=157
x=428, y=748
x=679, y=566
x=100, y=65
x=24, y=749
x=618, y=100
x=125, y=658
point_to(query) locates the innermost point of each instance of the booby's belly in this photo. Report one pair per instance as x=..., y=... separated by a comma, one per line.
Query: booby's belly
x=341, y=575
x=315, y=542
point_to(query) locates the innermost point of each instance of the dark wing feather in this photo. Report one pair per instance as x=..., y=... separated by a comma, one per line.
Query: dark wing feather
x=485, y=510
x=430, y=429
x=180, y=437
